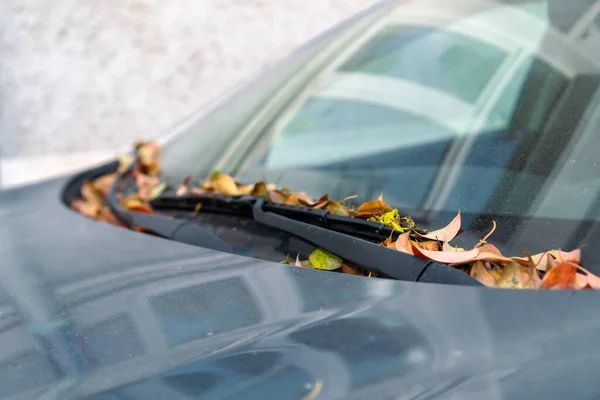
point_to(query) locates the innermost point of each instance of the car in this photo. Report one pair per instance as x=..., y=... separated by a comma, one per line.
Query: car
x=487, y=107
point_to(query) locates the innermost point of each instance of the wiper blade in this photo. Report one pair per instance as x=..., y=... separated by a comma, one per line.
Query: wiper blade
x=322, y=229
x=180, y=230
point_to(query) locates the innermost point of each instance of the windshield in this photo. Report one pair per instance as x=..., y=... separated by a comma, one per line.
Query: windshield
x=491, y=108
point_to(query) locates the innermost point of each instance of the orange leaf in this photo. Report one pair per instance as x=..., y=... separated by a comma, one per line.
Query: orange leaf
x=560, y=277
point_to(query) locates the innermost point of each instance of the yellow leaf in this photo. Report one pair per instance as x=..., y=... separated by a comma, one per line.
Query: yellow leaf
x=322, y=259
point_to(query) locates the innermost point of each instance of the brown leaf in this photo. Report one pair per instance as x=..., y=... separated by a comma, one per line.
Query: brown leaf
x=403, y=243
x=587, y=279
x=292, y=200
x=276, y=196
x=515, y=276
x=225, y=184
x=260, y=189
x=447, y=233
x=541, y=259
x=322, y=202
x=560, y=277
x=183, y=188
x=103, y=184
x=134, y=203
x=347, y=269
x=303, y=198
x=148, y=154
x=484, y=275
x=125, y=161
x=447, y=257
x=428, y=245
x=337, y=208
x=92, y=196
x=88, y=209
x=373, y=208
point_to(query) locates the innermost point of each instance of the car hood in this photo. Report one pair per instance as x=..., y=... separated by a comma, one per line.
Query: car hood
x=90, y=309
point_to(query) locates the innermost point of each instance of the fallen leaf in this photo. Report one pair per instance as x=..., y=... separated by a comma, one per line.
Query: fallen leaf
x=157, y=190
x=541, y=259
x=560, y=277
x=103, y=184
x=260, y=189
x=347, y=269
x=91, y=195
x=403, y=243
x=276, y=196
x=515, y=276
x=148, y=154
x=372, y=208
x=447, y=233
x=322, y=259
x=483, y=275
x=183, y=188
x=337, y=209
x=447, y=257
x=225, y=184
x=428, y=245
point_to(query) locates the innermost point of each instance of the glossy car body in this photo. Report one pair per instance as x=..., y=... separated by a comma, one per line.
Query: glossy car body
x=90, y=310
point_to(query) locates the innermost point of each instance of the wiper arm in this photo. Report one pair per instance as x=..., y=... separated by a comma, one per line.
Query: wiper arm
x=319, y=227
x=364, y=254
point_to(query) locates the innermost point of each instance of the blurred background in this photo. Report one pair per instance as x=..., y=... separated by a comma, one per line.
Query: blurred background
x=81, y=79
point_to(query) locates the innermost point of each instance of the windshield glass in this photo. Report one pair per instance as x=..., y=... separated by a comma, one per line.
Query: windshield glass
x=491, y=108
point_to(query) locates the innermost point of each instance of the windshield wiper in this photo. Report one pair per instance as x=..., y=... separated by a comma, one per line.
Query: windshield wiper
x=336, y=234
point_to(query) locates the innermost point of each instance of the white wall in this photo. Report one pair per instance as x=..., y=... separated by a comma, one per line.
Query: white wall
x=89, y=75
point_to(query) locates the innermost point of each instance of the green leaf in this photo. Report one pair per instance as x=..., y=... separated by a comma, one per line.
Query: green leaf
x=322, y=259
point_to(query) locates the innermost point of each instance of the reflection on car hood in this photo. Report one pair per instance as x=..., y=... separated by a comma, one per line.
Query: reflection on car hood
x=88, y=309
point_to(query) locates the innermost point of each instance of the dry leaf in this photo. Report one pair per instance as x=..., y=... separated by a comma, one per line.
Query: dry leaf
x=447, y=233
x=515, y=276
x=347, y=269
x=484, y=275
x=560, y=277
x=322, y=259
x=447, y=257
x=373, y=208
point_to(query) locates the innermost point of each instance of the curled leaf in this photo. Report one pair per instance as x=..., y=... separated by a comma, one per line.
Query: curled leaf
x=446, y=257
x=560, y=277
x=447, y=233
